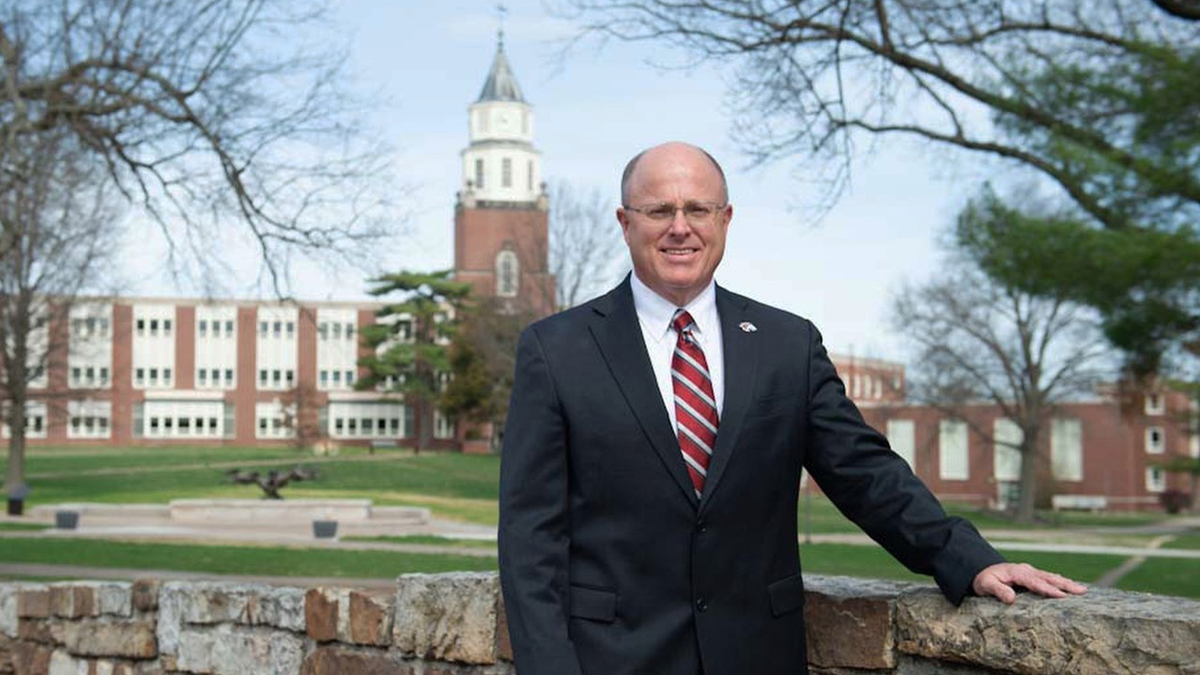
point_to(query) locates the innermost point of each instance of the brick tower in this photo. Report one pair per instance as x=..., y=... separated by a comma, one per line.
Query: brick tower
x=501, y=229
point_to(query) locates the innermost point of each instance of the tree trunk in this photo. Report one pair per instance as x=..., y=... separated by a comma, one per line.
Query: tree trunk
x=1027, y=481
x=14, y=478
x=425, y=426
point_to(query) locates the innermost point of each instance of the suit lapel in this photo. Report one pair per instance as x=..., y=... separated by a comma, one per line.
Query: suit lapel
x=741, y=363
x=616, y=330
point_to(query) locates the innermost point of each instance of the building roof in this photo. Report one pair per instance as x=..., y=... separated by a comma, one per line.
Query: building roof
x=501, y=84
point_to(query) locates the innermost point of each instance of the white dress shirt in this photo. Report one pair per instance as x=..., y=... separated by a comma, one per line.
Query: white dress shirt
x=655, y=312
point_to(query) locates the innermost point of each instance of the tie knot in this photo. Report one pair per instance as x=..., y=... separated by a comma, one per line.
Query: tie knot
x=682, y=322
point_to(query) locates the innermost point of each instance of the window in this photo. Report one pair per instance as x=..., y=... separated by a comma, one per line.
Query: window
x=349, y=331
x=89, y=374
x=290, y=376
x=202, y=377
x=1155, y=441
x=262, y=426
x=529, y=175
x=153, y=425
x=1066, y=449
x=141, y=327
x=167, y=376
x=1006, y=455
x=349, y=378
x=337, y=331
x=291, y=329
x=262, y=378
x=166, y=327
x=1156, y=480
x=76, y=375
x=901, y=435
x=139, y=377
x=953, y=462
x=506, y=172
x=216, y=376
x=153, y=326
x=324, y=377
x=104, y=375
x=229, y=377
x=277, y=328
x=337, y=378
x=154, y=376
x=479, y=174
x=202, y=327
x=323, y=330
x=507, y=270
x=263, y=328
x=338, y=425
x=229, y=328
x=1154, y=404
x=276, y=378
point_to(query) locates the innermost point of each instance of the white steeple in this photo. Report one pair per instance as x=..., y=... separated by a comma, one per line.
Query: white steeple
x=501, y=165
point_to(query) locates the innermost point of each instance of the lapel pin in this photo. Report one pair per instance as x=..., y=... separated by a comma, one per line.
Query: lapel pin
x=747, y=327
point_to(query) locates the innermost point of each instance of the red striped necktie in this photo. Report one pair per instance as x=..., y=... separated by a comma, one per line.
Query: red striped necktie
x=695, y=406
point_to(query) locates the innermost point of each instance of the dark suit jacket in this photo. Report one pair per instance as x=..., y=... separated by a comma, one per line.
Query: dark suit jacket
x=609, y=563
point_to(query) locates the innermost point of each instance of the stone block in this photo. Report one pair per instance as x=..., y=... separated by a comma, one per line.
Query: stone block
x=238, y=650
x=112, y=598
x=145, y=594
x=31, y=658
x=321, y=614
x=504, y=649
x=207, y=603
x=370, y=619
x=33, y=601
x=107, y=637
x=1099, y=633
x=8, y=610
x=448, y=617
x=837, y=608
x=35, y=630
x=71, y=601
x=338, y=661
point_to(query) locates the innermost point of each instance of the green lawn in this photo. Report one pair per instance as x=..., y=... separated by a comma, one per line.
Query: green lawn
x=21, y=527
x=454, y=486
x=1166, y=576
x=249, y=560
x=427, y=540
x=1185, y=541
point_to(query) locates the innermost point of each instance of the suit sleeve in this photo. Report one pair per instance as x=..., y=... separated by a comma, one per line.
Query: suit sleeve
x=534, y=538
x=875, y=488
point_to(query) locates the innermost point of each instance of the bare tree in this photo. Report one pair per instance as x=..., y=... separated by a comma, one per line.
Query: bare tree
x=585, y=243
x=976, y=341
x=202, y=114
x=57, y=228
x=1029, y=82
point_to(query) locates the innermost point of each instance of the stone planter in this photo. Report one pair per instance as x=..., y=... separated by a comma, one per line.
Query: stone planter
x=66, y=520
x=324, y=529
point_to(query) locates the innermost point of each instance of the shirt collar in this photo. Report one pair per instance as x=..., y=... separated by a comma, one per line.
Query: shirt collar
x=655, y=312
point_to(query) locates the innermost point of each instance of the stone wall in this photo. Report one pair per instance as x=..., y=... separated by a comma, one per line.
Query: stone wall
x=453, y=624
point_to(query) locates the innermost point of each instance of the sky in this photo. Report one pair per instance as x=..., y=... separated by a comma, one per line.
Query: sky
x=425, y=62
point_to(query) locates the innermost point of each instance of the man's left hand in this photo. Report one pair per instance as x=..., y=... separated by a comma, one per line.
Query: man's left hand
x=1000, y=580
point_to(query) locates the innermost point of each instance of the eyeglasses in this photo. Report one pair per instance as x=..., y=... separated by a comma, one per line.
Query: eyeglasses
x=696, y=213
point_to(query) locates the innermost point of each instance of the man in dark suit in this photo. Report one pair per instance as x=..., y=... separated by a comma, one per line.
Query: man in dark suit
x=652, y=458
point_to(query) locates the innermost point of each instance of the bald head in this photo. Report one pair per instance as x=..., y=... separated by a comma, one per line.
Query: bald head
x=674, y=147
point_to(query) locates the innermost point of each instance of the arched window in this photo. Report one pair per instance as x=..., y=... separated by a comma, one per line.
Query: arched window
x=479, y=174
x=508, y=271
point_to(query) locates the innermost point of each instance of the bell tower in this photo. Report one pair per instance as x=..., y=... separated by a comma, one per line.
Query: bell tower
x=501, y=228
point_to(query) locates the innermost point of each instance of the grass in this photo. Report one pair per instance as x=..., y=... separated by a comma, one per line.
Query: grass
x=427, y=540
x=242, y=560
x=22, y=527
x=1165, y=576
x=1185, y=541
x=452, y=485
x=872, y=561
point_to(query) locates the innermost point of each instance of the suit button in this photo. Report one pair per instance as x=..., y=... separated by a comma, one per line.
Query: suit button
x=702, y=605
x=701, y=526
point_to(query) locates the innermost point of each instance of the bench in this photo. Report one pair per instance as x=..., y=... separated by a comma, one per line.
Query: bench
x=383, y=443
